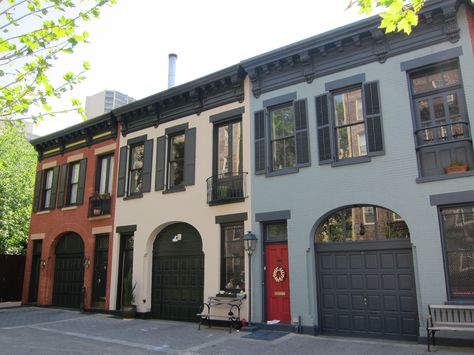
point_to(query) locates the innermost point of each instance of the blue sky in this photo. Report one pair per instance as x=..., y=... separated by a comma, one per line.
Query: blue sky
x=130, y=43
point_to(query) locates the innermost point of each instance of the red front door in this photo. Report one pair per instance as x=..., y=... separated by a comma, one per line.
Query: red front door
x=277, y=278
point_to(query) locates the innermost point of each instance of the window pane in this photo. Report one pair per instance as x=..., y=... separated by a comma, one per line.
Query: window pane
x=276, y=232
x=73, y=196
x=283, y=122
x=438, y=106
x=284, y=154
x=348, y=107
x=223, y=150
x=351, y=141
x=103, y=176
x=111, y=174
x=458, y=228
x=176, y=160
x=49, y=179
x=438, y=78
x=233, y=258
x=137, y=157
x=135, y=181
x=236, y=146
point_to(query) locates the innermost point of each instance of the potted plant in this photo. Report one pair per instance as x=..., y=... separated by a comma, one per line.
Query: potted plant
x=456, y=166
x=128, y=309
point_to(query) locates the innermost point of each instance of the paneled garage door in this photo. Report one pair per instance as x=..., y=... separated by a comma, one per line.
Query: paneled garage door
x=367, y=289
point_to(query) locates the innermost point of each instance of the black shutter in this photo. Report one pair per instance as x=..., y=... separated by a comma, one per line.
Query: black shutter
x=373, y=118
x=301, y=126
x=54, y=187
x=37, y=193
x=62, y=185
x=324, y=129
x=148, y=158
x=82, y=181
x=122, y=172
x=260, y=151
x=190, y=156
x=160, y=163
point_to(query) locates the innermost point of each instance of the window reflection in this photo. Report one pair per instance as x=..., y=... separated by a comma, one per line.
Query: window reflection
x=362, y=223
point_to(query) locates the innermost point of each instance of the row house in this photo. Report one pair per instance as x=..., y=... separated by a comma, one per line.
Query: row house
x=334, y=152
x=70, y=241
x=182, y=196
x=360, y=223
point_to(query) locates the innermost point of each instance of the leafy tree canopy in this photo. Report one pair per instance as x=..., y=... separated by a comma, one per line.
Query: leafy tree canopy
x=33, y=35
x=17, y=175
x=398, y=15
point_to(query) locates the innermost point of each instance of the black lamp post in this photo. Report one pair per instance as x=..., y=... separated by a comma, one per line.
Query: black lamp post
x=250, y=243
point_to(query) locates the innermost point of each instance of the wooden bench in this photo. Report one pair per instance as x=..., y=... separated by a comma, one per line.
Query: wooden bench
x=448, y=317
x=221, y=308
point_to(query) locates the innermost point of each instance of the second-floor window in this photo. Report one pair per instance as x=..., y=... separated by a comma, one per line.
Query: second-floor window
x=281, y=136
x=134, y=171
x=349, y=123
x=441, y=122
x=283, y=145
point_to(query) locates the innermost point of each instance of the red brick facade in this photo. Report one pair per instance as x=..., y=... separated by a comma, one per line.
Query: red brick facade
x=51, y=225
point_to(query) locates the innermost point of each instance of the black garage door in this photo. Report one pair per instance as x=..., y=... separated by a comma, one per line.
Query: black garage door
x=367, y=289
x=69, y=271
x=178, y=273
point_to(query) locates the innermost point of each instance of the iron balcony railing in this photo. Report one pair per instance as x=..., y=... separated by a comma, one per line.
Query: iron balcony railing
x=100, y=205
x=226, y=188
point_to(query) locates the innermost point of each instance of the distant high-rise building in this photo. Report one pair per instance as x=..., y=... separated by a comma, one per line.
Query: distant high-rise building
x=105, y=101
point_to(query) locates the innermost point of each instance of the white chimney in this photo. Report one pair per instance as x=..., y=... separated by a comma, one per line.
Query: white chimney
x=172, y=69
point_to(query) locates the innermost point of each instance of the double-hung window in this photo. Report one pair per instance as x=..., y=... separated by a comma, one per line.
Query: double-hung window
x=46, y=187
x=175, y=158
x=72, y=178
x=283, y=147
x=281, y=136
x=349, y=121
x=441, y=122
x=135, y=164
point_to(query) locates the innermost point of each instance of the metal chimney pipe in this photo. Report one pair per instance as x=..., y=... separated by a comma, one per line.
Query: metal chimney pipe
x=172, y=69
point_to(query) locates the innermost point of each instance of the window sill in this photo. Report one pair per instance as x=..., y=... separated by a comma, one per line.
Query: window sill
x=226, y=201
x=175, y=189
x=105, y=216
x=351, y=161
x=460, y=302
x=44, y=212
x=444, y=177
x=69, y=208
x=133, y=197
x=284, y=171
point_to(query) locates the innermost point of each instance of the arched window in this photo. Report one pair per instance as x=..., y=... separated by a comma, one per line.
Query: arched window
x=361, y=223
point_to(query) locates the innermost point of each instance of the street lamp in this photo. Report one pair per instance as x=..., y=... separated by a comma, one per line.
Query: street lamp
x=250, y=243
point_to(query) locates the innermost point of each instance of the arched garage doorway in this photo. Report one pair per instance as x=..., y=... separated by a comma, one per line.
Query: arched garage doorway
x=69, y=271
x=178, y=273
x=366, y=282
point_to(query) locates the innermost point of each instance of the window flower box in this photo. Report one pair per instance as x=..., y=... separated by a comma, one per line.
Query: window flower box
x=456, y=167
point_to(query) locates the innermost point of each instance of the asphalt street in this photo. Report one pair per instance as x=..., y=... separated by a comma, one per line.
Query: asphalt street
x=34, y=330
